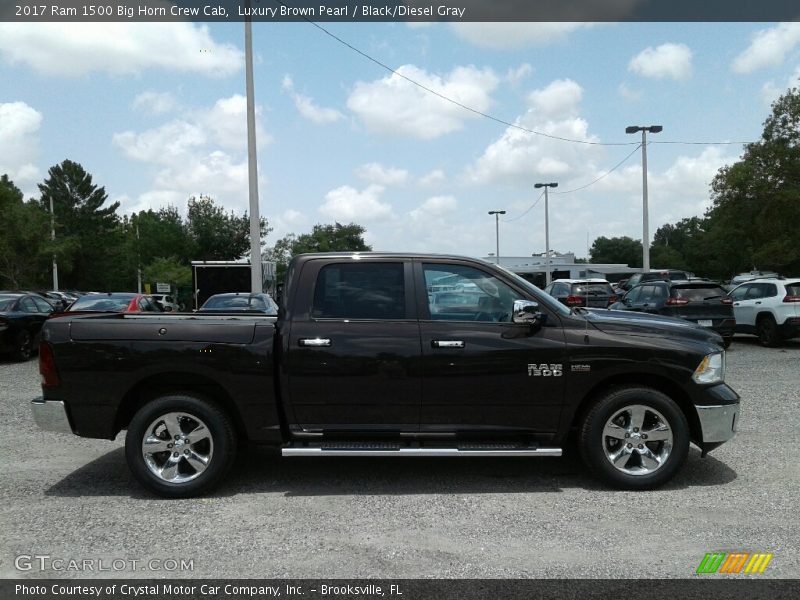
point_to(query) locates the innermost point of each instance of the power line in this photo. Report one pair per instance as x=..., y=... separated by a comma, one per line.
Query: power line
x=606, y=174
x=487, y=115
x=530, y=208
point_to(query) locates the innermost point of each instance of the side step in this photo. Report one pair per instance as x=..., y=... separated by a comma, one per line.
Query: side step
x=399, y=449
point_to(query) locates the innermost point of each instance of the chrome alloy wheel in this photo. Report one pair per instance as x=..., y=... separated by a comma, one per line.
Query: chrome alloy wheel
x=637, y=440
x=177, y=447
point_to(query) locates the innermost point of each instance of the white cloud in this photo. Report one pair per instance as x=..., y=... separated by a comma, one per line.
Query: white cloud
x=306, y=106
x=433, y=178
x=19, y=143
x=155, y=103
x=518, y=75
x=521, y=155
x=377, y=173
x=559, y=99
x=667, y=61
x=628, y=93
x=347, y=204
x=515, y=36
x=204, y=152
x=768, y=48
x=117, y=48
x=436, y=206
x=395, y=106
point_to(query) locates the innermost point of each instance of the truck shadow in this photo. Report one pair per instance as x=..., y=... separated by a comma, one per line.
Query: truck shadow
x=261, y=470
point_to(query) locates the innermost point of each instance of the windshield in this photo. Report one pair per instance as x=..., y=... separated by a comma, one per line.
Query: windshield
x=7, y=302
x=534, y=291
x=102, y=303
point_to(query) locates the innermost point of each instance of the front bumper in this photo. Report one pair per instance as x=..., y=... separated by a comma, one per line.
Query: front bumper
x=51, y=415
x=717, y=423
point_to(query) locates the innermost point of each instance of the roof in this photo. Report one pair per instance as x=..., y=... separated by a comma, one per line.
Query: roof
x=581, y=280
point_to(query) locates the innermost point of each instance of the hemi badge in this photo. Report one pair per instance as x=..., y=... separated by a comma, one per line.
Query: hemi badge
x=581, y=368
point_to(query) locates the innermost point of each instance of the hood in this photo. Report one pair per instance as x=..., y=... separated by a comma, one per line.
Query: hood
x=624, y=322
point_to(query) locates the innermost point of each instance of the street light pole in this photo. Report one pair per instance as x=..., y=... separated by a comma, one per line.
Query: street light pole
x=645, y=209
x=547, y=275
x=497, y=214
x=256, y=281
x=53, y=239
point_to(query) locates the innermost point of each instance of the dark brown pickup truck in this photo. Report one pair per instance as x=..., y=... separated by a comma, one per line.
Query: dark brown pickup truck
x=377, y=354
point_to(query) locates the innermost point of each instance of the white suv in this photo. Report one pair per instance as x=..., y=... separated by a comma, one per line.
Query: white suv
x=166, y=301
x=768, y=308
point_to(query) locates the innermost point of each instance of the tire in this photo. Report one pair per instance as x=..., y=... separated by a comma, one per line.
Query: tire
x=23, y=350
x=767, y=330
x=727, y=342
x=634, y=411
x=160, y=451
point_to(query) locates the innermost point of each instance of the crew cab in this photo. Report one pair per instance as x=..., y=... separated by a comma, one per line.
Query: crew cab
x=364, y=359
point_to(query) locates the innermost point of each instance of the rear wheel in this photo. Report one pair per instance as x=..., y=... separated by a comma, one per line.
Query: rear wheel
x=24, y=346
x=180, y=445
x=634, y=438
x=767, y=330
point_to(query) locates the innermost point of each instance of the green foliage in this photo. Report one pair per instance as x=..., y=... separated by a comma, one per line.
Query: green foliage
x=168, y=270
x=752, y=222
x=217, y=235
x=88, y=232
x=23, y=240
x=617, y=250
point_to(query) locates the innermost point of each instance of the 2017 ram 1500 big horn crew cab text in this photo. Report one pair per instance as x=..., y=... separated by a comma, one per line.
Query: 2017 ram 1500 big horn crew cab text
x=389, y=355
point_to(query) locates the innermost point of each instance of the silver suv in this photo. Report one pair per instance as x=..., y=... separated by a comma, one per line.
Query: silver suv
x=768, y=308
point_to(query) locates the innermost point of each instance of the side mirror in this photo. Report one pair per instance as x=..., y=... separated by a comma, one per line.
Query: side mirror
x=626, y=301
x=526, y=312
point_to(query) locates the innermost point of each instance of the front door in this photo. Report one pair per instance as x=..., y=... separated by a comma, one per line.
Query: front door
x=481, y=373
x=353, y=352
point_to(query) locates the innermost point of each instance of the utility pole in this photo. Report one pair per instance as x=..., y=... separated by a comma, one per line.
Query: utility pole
x=497, y=214
x=256, y=281
x=138, y=262
x=53, y=239
x=645, y=215
x=547, y=274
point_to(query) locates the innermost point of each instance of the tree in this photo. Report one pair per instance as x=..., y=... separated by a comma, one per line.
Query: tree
x=88, y=232
x=752, y=222
x=323, y=238
x=168, y=270
x=217, y=235
x=23, y=239
x=617, y=250
x=681, y=246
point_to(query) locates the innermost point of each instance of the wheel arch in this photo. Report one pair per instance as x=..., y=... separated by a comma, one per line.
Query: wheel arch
x=176, y=382
x=648, y=380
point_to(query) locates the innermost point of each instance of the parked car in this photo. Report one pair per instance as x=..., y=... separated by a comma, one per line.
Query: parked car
x=768, y=308
x=593, y=293
x=655, y=275
x=704, y=303
x=21, y=317
x=240, y=301
x=750, y=276
x=366, y=368
x=166, y=301
x=129, y=302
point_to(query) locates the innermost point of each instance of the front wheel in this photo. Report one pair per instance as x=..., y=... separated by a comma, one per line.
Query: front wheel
x=24, y=346
x=767, y=330
x=634, y=438
x=180, y=445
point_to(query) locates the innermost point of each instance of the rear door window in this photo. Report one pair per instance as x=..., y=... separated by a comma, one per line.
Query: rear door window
x=360, y=291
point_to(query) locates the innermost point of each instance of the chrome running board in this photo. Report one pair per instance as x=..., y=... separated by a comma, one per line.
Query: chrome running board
x=389, y=449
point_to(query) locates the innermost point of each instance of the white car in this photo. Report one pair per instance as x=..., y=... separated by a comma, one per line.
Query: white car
x=165, y=300
x=768, y=308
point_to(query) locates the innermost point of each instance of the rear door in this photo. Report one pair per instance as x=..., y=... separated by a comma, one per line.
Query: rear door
x=480, y=371
x=353, y=351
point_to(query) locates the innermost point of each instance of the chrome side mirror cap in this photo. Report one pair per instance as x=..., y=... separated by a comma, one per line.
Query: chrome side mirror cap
x=526, y=312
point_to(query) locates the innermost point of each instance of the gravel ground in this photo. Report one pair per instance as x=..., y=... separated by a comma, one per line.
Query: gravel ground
x=73, y=498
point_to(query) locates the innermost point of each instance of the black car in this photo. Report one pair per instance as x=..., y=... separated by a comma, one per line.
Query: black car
x=21, y=317
x=702, y=302
x=240, y=301
x=658, y=275
x=592, y=293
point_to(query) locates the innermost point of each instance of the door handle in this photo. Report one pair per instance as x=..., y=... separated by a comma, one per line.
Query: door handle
x=736, y=304
x=314, y=342
x=447, y=343
x=759, y=302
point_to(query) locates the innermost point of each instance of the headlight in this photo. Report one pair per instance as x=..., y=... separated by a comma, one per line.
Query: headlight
x=711, y=369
